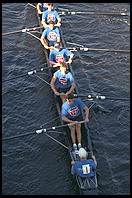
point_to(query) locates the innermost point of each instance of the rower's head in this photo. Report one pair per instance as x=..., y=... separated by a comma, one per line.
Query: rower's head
x=46, y=4
x=82, y=153
x=50, y=6
x=70, y=98
x=63, y=66
x=57, y=46
x=51, y=25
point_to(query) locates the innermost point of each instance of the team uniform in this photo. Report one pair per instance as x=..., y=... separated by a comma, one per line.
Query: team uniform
x=73, y=111
x=63, y=82
x=51, y=35
x=59, y=56
x=83, y=168
x=49, y=16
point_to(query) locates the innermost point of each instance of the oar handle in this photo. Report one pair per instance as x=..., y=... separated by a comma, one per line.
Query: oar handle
x=57, y=127
x=70, y=124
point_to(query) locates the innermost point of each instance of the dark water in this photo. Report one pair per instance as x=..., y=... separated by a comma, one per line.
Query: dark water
x=36, y=165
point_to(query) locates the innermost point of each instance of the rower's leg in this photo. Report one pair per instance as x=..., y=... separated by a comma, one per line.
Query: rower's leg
x=73, y=137
x=78, y=131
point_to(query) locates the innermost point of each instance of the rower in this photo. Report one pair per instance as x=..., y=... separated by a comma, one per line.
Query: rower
x=62, y=82
x=84, y=167
x=59, y=55
x=71, y=113
x=50, y=36
x=41, y=7
x=51, y=15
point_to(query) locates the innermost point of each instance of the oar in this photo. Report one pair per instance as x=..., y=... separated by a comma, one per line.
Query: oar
x=27, y=74
x=53, y=129
x=96, y=13
x=16, y=136
x=43, y=80
x=98, y=49
x=83, y=48
x=31, y=5
x=33, y=35
x=26, y=134
x=56, y=7
x=58, y=127
x=56, y=141
x=88, y=13
x=36, y=38
x=89, y=97
x=23, y=30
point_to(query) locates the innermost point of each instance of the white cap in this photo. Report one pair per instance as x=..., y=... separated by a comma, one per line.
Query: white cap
x=82, y=153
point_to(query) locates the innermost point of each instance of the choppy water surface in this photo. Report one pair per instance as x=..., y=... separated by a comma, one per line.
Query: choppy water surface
x=36, y=165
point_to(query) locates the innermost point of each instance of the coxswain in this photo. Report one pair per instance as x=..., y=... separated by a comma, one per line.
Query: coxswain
x=51, y=15
x=50, y=36
x=84, y=167
x=62, y=82
x=59, y=55
x=41, y=7
x=71, y=113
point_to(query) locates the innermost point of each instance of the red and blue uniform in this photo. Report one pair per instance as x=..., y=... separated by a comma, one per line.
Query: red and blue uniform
x=72, y=111
x=59, y=56
x=84, y=168
x=50, y=16
x=63, y=81
x=51, y=35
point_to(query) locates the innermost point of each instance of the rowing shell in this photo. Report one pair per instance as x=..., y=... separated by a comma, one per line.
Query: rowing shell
x=86, y=185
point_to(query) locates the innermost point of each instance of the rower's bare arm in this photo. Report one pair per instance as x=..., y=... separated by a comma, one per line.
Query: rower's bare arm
x=44, y=24
x=44, y=42
x=66, y=119
x=58, y=22
x=58, y=39
x=86, y=113
x=52, y=84
x=38, y=9
x=94, y=159
x=52, y=63
x=72, y=162
x=70, y=59
x=38, y=4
